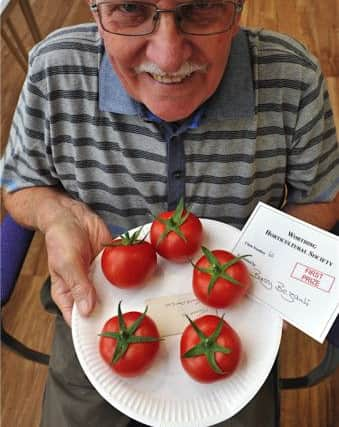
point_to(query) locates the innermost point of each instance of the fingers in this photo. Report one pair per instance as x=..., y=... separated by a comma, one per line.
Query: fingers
x=72, y=242
x=84, y=295
x=62, y=297
x=77, y=290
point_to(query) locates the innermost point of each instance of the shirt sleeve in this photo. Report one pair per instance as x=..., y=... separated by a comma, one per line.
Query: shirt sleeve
x=313, y=158
x=27, y=161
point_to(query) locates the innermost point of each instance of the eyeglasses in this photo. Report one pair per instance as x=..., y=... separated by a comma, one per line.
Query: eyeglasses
x=134, y=18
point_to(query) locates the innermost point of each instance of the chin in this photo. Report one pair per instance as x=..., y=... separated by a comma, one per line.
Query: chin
x=172, y=117
x=171, y=112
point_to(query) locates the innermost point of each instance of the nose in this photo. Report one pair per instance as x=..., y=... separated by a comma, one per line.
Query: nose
x=167, y=46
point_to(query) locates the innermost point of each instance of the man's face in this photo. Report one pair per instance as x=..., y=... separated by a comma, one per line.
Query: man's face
x=171, y=73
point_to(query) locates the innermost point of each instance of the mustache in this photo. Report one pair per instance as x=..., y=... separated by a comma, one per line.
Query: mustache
x=185, y=69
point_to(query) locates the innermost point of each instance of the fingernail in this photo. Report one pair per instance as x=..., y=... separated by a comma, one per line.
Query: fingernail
x=83, y=306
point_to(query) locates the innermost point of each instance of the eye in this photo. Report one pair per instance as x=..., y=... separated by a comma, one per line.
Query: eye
x=202, y=5
x=126, y=17
x=111, y=10
x=207, y=12
x=130, y=8
x=207, y=7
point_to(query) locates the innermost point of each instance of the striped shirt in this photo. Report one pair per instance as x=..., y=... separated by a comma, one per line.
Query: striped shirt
x=268, y=125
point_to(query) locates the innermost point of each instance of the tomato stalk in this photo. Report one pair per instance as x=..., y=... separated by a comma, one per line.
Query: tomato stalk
x=127, y=239
x=208, y=346
x=126, y=336
x=217, y=270
x=174, y=223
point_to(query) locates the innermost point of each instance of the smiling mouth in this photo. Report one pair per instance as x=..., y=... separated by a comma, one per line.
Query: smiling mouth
x=168, y=78
x=186, y=70
x=183, y=73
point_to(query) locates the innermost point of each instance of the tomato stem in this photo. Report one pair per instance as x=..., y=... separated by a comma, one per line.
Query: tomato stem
x=127, y=240
x=125, y=336
x=217, y=270
x=174, y=223
x=208, y=345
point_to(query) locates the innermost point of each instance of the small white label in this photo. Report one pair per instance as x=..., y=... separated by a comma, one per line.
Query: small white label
x=169, y=312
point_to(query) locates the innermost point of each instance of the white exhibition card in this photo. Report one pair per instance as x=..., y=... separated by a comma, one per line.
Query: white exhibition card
x=176, y=308
x=294, y=267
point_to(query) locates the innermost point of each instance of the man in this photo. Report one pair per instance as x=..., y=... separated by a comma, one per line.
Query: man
x=117, y=121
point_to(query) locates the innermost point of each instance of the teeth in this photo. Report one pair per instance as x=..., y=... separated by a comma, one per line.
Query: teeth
x=185, y=70
x=168, y=78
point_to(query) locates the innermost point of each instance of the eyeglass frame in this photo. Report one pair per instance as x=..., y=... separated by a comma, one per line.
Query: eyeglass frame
x=238, y=8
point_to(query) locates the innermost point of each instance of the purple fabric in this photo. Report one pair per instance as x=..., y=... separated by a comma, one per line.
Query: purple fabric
x=15, y=241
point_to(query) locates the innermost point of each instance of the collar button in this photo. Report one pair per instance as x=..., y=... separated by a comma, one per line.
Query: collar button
x=178, y=174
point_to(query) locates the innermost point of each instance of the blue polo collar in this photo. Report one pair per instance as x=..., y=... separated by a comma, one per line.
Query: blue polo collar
x=234, y=98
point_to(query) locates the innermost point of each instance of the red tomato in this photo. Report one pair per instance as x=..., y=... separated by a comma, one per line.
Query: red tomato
x=138, y=356
x=176, y=235
x=128, y=264
x=224, y=349
x=213, y=277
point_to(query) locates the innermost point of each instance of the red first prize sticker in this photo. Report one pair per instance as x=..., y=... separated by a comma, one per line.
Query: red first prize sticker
x=312, y=277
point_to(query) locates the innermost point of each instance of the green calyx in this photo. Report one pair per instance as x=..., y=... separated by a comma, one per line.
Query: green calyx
x=208, y=346
x=217, y=270
x=126, y=336
x=174, y=223
x=127, y=239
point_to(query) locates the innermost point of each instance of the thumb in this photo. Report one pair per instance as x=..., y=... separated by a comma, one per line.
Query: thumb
x=73, y=286
x=83, y=293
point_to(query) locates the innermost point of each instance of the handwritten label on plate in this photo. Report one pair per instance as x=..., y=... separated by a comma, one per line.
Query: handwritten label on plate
x=169, y=312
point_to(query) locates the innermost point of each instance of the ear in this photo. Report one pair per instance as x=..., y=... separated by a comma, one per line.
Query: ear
x=236, y=26
x=95, y=16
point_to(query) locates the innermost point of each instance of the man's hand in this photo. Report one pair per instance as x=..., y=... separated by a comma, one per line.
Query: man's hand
x=74, y=235
x=73, y=239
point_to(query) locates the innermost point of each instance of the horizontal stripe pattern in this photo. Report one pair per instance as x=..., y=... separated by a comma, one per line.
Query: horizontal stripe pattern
x=64, y=70
x=117, y=164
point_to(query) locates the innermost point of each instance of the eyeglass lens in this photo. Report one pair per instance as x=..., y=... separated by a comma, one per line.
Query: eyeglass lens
x=136, y=18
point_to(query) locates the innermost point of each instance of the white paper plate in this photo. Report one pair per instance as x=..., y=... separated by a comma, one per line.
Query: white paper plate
x=165, y=396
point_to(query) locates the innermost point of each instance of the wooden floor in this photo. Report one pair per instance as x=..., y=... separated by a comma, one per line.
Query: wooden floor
x=311, y=21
